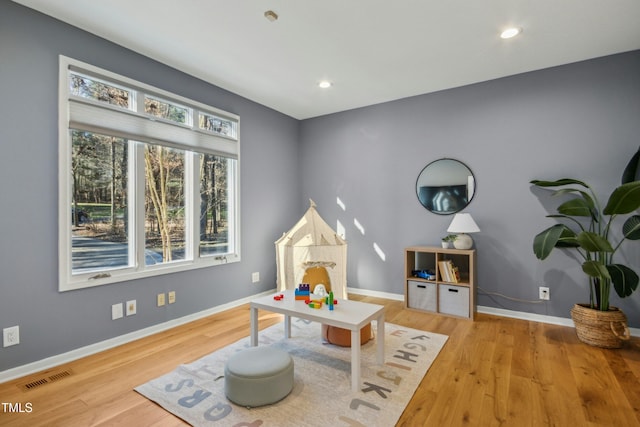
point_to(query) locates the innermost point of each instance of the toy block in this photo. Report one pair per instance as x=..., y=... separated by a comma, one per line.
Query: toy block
x=301, y=297
x=304, y=287
x=302, y=292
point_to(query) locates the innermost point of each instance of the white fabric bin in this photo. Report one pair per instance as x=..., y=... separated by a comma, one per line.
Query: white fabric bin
x=454, y=300
x=422, y=295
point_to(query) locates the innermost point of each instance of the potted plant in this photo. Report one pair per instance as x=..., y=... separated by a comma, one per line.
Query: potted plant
x=448, y=240
x=586, y=227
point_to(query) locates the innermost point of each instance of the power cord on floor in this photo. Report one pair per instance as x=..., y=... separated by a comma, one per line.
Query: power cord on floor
x=510, y=298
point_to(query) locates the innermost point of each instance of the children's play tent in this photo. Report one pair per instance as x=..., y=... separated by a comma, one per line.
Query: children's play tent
x=311, y=243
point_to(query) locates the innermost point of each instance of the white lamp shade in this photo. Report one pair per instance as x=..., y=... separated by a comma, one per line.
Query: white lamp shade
x=463, y=223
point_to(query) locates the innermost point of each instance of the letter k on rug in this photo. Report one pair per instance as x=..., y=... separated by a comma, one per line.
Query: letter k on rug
x=321, y=394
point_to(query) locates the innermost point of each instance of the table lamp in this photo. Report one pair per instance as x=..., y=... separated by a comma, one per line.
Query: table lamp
x=462, y=224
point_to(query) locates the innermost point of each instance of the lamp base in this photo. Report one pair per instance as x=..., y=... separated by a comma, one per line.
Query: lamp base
x=463, y=241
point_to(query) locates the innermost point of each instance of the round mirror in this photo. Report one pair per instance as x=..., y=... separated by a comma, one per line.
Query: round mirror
x=445, y=186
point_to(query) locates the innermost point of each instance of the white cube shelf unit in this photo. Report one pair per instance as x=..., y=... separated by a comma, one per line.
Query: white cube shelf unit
x=450, y=291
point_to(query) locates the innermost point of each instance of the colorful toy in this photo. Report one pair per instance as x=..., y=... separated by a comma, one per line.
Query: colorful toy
x=302, y=292
x=315, y=304
x=326, y=300
x=279, y=297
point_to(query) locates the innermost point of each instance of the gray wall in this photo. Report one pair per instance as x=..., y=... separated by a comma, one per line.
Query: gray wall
x=580, y=120
x=51, y=322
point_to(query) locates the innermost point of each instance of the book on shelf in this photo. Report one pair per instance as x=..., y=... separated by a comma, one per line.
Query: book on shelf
x=455, y=273
x=448, y=271
x=445, y=273
x=442, y=271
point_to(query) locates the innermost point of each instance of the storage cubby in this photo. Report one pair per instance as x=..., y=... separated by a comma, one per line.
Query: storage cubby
x=446, y=282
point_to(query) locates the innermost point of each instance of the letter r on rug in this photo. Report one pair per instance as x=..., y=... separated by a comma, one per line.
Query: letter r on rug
x=197, y=397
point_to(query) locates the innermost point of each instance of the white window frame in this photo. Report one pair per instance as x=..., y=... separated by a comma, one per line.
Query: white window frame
x=135, y=125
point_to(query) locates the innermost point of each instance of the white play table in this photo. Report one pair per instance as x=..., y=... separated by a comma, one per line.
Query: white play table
x=347, y=314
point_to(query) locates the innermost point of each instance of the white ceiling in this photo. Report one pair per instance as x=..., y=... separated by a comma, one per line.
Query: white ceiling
x=372, y=50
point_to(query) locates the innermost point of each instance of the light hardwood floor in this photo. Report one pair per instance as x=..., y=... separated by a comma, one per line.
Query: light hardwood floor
x=495, y=371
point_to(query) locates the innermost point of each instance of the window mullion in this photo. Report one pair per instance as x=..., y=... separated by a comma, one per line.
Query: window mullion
x=233, y=203
x=192, y=206
x=138, y=98
x=138, y=196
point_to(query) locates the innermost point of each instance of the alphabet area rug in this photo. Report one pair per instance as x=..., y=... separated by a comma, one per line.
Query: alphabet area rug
x=321, y=394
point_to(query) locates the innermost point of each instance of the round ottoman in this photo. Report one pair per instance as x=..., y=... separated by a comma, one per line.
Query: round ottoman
x=258, y=376
x=342, y=337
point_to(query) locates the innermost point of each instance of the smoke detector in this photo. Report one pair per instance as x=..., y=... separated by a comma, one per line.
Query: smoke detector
x=271, y=15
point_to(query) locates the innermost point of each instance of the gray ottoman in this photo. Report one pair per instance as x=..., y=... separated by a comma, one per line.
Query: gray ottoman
x=258, y=376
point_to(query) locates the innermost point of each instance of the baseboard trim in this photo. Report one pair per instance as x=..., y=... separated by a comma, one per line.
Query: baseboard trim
x=50, y=362
x=59, y=359
x=375, y=294
x=541, y=318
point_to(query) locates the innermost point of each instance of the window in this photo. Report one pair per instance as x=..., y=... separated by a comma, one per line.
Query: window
x=148, y=181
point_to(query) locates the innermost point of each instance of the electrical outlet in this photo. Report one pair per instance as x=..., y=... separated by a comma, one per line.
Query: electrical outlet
x=116, y=311
x=161, y=299
x=172, y=297
x=544, y=293
x=255, y=277
x=11, y=336
x=132, y=307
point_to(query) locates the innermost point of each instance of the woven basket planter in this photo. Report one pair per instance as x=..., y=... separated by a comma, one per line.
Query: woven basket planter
x=606, y=329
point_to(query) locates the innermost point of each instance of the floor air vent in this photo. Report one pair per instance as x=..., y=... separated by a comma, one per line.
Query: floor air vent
x=46, y=378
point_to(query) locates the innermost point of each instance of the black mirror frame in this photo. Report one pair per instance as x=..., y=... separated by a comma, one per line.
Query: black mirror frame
x=455, y=194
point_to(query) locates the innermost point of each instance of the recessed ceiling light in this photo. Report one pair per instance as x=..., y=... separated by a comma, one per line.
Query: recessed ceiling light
x=324, y=84
x=510, y=32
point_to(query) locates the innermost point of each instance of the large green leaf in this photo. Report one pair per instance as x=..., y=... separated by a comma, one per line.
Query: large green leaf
x=545, y=241
x=567, y=239
x=624, y=199
x=586, y=196
x=596, y=269
x=631, y=228
x=576, y=207
x=558, y=183
x=624, y=279
x=632, y=171
x=593, y=242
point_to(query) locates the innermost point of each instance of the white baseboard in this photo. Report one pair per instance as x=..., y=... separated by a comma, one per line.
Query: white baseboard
x=542, y=318
x=59, y=359
x=50, y=362
x=376, y=294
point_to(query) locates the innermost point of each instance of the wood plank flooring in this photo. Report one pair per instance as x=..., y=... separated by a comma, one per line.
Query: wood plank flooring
x=495, y=371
